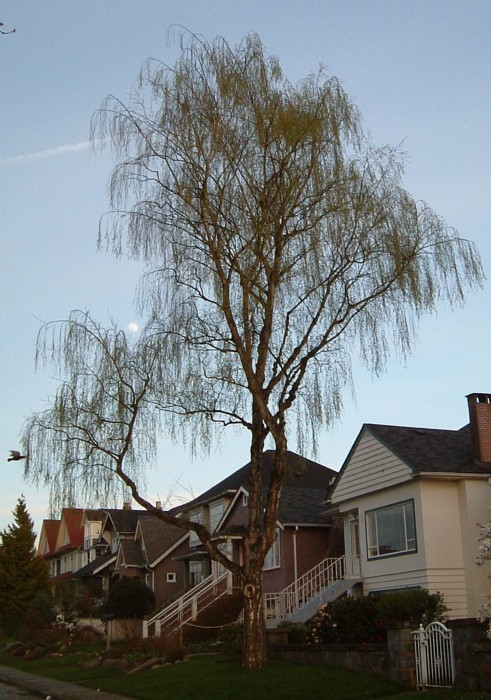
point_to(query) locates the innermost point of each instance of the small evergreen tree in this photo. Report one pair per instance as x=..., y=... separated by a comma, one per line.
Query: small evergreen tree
x=23, y=574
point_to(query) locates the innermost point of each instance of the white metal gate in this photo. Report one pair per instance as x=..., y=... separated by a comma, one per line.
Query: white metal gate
x=434, y=656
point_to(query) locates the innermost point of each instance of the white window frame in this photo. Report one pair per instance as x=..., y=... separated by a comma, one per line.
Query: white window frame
x=196, y=516
x=374, y=521
x=171, y=577
x=216, y=511
x=196, y=572
x=92, y=532
x=273, y=557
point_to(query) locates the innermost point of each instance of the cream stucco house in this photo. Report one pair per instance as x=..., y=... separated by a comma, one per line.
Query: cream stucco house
x=411, y=500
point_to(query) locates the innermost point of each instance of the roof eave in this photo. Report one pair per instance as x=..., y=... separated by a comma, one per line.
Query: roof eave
x=451, y=476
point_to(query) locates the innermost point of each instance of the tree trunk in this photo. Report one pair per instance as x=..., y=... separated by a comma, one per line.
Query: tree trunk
x=254, y=652
x=254, y=647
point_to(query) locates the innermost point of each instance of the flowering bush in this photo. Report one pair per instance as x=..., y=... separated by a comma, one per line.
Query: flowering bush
x=347, y=621
x=484, y=554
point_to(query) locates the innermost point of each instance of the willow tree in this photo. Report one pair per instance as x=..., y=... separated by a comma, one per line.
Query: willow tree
x=277, y=241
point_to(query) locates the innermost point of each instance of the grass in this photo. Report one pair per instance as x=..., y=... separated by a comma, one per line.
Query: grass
x=218, y=678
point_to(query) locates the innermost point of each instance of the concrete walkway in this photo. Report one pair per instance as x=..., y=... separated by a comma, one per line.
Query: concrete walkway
x=50, y=687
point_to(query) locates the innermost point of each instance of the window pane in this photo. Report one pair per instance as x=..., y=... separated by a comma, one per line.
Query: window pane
x=391, y=530
x=272, y=560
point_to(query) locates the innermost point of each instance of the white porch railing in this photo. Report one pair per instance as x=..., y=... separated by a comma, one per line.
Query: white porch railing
x=279, y=606
x=188, y=606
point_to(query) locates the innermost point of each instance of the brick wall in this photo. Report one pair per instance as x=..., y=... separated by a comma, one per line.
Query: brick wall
x=480, y=420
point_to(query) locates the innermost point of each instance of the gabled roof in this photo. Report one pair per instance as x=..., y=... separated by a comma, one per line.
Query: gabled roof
x=49, y=531
x=158, y=537
x=422, y=451
x=94, y=515
x=130, y=554
x=96, y=565
x=124, y=520
x=302, y=473
x=429, y=449
x=71, y=522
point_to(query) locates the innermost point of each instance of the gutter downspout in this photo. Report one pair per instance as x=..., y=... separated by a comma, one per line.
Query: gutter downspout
x=295, y=565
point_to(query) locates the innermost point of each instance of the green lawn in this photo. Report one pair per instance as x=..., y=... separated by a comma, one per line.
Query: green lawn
x=217, y=678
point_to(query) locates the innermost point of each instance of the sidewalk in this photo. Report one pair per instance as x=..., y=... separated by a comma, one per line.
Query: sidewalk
x=58, y=690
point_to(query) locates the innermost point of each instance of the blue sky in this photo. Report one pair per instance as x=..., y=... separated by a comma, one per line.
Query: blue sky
x=419, y=71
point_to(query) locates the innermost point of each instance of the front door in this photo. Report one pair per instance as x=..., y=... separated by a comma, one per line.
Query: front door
x=354, y=567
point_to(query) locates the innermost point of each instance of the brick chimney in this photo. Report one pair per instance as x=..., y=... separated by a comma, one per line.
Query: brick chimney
x=480, y=419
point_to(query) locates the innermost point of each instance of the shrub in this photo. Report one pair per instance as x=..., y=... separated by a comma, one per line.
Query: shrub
x=298, y=633
x=130, y=598
x=347, y=621
x=414, y=606
x=231, y=638
x=87, y=634
x=36, y=625
x=362, y=620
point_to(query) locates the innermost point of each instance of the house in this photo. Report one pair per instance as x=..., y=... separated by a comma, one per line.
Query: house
x=112, y=543
x=153, y=556
x=306, y=536
x=411, y=500
x=61, y=541
x=104, y=532
x=305, y=533
x=47, y=544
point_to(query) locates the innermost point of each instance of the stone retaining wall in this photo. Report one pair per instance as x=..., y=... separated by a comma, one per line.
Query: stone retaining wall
x=472, y=656
x=396, y=659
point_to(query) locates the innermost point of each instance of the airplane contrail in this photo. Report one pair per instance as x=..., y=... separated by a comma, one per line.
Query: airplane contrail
x=48, y=153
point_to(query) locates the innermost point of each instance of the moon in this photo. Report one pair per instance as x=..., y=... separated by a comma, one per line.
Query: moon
x=133, y=327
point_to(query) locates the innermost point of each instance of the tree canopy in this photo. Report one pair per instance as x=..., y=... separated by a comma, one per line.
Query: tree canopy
x=278, y=241
x=23, y=574
x=278, y=238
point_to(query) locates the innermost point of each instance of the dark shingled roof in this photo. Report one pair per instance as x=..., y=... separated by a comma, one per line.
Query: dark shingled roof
x=302, y=506
x=125, y=519
x=302, y=473
x=132, y=554
x=430, y=449
x=303, y=493
x=158, y=536
x=97, y=564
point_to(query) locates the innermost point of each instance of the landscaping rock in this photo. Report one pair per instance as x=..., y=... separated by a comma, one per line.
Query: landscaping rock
x=149, y=663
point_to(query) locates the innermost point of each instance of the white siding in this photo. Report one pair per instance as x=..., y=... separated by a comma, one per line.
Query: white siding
x=449, y=582
x=446, y=546
x=372, y=467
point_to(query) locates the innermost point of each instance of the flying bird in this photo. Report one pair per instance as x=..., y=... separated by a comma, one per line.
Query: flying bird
x=2, y=31
x=15, y=455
